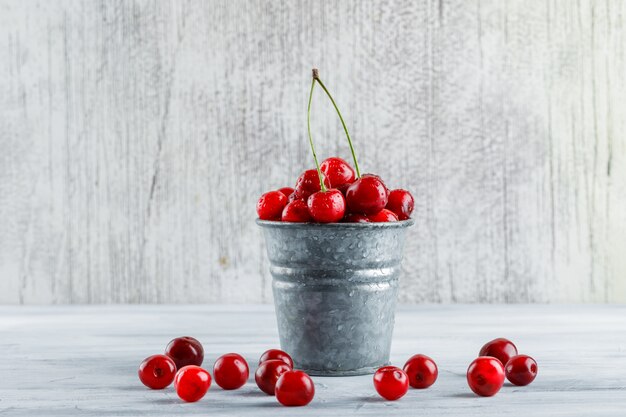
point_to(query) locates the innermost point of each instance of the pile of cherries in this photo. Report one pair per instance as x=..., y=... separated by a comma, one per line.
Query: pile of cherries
x=182, y=362
x=334, y=191
x=276, y=376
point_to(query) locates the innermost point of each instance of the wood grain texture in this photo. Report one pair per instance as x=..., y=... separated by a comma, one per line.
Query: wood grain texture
x=52, y=372
x=136, y=136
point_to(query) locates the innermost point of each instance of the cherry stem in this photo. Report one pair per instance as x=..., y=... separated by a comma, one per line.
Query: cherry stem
x=345, y=128
x=308, y=123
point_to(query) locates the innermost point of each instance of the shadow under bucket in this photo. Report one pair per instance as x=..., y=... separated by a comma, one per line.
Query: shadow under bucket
x=335, y=288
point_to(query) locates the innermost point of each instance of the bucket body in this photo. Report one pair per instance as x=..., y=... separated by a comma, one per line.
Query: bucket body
x=335, y=288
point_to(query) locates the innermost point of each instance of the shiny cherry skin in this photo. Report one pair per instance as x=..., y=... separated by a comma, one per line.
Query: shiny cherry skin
x=521, y=370
x=356, y=218
x=391, y=382
x=293, y=197
x=157, y=371
x=296, y=212
x=294, y=388
x=500, y=348
x=308, y=183
x=267, y=374
x=339, y=173
x=367, y=195
x=383, y=216
x=270, y=206
x=485, y=376
x=286, y=190
x=185, y=351
x=327, y=206
x=230, y=371
x=421, y=370
x=401, y=202
x=276, y=354
x=191, y=383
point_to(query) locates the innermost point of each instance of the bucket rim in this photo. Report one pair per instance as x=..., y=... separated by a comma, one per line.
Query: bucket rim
x=290, y=225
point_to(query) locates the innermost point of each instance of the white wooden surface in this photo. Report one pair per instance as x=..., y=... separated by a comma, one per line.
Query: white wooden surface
x=65, y=361
x=136, y=136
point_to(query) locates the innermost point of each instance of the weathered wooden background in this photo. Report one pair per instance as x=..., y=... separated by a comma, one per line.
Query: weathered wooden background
x=136, y=136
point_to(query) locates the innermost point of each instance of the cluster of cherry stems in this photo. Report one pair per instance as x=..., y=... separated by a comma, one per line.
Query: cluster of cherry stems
x=276, y=376
x=334, y=191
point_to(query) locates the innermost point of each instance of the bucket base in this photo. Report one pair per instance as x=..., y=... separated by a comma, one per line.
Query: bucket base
x=353, y=372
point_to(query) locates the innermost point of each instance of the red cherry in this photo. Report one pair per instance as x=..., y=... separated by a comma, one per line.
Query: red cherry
x=191, y=383
x=327, y=206
x=485, y=376
x=294, y=388
x=309, y=183
x=286, y=190
x=391, y=382
x=383, y=216
x=157, y=371
x=356, y=218
x=293, y=197
x=421, y=370
x=276, y=354
x=401, y=202
x=270, y=205
x=185, y=351
x=338, y=172
x=296, y=212
x=230, y=371
x=367, y=195
x=500, y=348
x=521, y=370
x=267, y=374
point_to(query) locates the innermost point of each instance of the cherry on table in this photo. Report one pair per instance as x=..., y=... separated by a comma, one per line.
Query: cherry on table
x=185, y=351
x=485, y=376
x=276, y=354
x=157, y=371
x=308, y=183
x=356, y=218
x=327, y=206
x=192, y=383
x=401, y=202
x=500, y=348
x=296, y=212
x=270, y=206
x=287, y=191
x=230, y=371
x=521, y=370
x=391, y=382
x=383, y=216
x=421, y=370
x=367, y=195
x=267, y=374
x=294, y=388
x=339, y=173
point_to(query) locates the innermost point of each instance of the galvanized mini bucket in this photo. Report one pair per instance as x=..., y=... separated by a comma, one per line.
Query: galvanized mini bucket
x=335, y=288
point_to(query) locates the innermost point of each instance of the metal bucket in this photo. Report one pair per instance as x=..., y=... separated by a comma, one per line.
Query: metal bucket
x=335, y=288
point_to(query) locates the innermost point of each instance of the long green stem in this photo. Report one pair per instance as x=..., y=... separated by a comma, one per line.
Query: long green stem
x=345, y=128
x=308, y=123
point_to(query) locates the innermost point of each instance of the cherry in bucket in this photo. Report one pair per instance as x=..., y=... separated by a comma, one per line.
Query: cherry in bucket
x=230, y=371
x=326, y=205
x=270, y=206
x=296, y=212
x=157, y=371
x=401, y=202
x=185, y=351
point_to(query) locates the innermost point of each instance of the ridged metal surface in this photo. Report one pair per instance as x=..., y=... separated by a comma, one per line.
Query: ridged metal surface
x=335, y=289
